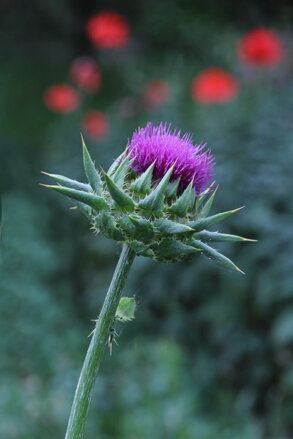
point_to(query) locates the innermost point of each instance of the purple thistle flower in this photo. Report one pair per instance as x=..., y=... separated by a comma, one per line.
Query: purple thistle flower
x=165, y=148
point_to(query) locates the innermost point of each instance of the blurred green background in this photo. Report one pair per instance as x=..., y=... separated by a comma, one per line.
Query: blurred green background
x=209, y=354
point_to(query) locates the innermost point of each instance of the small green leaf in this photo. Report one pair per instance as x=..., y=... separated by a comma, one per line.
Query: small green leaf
x=74, y=184
x=126, y=309
x=207, y=206
x=97, y=203
x=92, y=174
x=214, y=254
x=142, y=184
x=122, y=200
x=170, y=248
x=209, y=221
x=171, y=189
x=184, y=203
x=143, y=228
x=154, y=202
x=168, y=227
x=107, y=226
x=205, y=235
x=118, y=176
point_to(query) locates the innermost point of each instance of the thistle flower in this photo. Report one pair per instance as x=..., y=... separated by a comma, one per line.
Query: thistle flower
x=154, y=198
x=165, y=148
x=152, y=201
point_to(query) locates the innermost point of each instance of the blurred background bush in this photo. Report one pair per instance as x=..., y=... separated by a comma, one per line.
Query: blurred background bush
x=210, y=352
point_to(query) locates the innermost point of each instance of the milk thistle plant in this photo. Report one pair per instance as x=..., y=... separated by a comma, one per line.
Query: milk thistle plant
x=154, y=200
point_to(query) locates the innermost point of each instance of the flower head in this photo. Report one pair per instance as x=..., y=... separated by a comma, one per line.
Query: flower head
x=147, y=212
x=261, y=47
x=61, y=98
x=214, y=86
x=165, y=148
x=108, y=30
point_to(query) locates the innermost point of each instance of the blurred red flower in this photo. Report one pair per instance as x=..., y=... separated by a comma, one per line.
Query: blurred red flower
x=261, y=47
x=86, y=74
x=61, y=98
x=108, y=30
x=95, y=124
x=156, y=92
x=214, y=86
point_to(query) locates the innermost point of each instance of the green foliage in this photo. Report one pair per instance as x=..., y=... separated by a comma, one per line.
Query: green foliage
x=142, y=185
x=154, y=202
x=126, y=309
x=92, y=174
x=184, y=203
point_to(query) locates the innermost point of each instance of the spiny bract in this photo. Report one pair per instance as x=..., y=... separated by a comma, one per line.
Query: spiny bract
x=154, y=208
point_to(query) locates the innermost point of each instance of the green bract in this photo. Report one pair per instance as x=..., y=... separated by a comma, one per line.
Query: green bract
x=154, y=219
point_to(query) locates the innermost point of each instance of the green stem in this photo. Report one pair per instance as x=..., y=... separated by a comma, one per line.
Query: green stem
x=96, y=348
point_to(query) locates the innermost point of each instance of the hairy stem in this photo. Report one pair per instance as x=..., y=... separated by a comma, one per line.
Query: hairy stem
x=96, y=348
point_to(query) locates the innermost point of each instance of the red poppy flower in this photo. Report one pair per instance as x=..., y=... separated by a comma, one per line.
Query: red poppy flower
x=95, y=125
x=261, y=47
x=108, y=30
x=156, y=92
x=61, y=98
x=86, y=74
x=214, y=86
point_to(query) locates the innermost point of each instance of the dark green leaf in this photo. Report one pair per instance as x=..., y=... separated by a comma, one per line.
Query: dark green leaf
x=205, y=235
x=205, y=223
x=207, y=206
x=74, y=184
x=184, y=203
x=122, y=200
x=143, y=228
x=154, y=202
x=142, y=184
x=92, y=174
x=97, y=203
x=170, y=248
x=167, y=227
x=214, y=254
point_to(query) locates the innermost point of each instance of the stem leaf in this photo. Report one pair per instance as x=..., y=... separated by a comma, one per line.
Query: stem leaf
x=184, y=203
x=93, y=200
x=154, y=202
x=92, y=174
x=126, y=309
x=122, y=200
x=209, y=221
x=73, y=184
x=214, y=254
x=142, y=185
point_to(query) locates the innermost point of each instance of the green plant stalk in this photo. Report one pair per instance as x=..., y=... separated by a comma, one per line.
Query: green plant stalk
x=97, y=345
